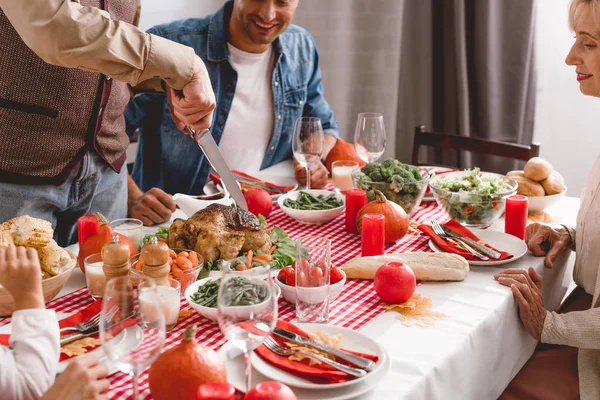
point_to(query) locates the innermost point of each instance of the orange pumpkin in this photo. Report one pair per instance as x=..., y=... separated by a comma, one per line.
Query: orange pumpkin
x=342, y=151
x=178, y=372
x=396, y=221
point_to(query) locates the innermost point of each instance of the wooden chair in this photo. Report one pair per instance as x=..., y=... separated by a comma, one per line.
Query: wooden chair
x=462, y=143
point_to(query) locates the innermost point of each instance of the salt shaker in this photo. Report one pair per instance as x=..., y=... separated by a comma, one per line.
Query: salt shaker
x=156, y=261
x=115, y=257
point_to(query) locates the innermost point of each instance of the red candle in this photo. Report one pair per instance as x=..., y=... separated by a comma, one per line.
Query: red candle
x=355, y=200
x=515, y=219
x=373, y=234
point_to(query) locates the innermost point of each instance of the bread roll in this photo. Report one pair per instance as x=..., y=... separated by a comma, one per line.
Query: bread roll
x=527, y=187
x=516, y=173
x=554, y=184
x=426, y=266
x=537, y=169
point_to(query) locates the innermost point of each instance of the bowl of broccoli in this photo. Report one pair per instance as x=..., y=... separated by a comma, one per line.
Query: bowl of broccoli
x=471, y=197
x=401, y=183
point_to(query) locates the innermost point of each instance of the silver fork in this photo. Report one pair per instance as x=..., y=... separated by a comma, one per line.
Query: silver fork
x=84, y=326
x=440, y=232
x=272, y=345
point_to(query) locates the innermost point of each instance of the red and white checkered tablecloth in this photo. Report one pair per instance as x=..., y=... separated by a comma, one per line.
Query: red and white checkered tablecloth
x=354, y=308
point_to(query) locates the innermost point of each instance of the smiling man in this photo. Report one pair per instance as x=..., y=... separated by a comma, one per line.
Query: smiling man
x=265, y=73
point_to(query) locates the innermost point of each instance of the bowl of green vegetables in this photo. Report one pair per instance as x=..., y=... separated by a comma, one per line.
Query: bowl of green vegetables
x=471, y=197
x=202, y=295
x=313, y=207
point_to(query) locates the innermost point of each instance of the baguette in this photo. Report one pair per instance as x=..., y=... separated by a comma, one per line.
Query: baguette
x=426, y=266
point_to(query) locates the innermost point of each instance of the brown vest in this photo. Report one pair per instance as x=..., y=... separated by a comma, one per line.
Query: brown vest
x=51, y=116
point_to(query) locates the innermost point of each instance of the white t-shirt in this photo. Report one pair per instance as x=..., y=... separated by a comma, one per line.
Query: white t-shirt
x=250, y=122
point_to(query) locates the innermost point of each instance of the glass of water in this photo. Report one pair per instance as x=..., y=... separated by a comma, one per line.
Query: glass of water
x=369, y=136
x=308, y=143
x=313, y=262
x=130, y=227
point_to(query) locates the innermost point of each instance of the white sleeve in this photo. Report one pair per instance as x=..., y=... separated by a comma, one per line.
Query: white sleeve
x=28, y=367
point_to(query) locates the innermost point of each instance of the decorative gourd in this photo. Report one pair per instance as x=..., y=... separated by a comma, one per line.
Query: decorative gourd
x=396, y=220
x=342, y=151
x=94, y=244
x=178, y=372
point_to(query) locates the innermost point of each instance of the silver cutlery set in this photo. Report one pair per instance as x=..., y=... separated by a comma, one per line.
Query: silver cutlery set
x=477, y=249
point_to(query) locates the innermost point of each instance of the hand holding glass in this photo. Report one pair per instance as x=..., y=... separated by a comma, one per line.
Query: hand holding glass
x=308, y=143
x=369, y=136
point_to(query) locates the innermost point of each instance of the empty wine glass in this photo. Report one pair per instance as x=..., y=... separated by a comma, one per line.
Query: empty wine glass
x=132, y=324
x=308, y=143
x=369, y=136
x=247, y=310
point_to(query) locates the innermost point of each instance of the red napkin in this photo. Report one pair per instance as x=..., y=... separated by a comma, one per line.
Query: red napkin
x=216, y=179
x=320, y=373
x=450, y=247
x=81, y=316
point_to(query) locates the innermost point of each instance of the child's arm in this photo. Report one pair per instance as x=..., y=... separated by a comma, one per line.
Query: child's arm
x=28, y=367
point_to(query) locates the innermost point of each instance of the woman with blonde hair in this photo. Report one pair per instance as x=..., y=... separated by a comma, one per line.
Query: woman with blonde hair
x=566, y=364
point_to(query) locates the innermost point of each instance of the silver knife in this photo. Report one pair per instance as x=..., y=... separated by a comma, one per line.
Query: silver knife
x=484, y=249
x=215, y=158
x=361, y=362
x=71, y=337
x=259, y=184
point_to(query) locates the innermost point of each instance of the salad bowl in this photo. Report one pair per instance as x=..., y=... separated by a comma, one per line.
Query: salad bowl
x=473, y=198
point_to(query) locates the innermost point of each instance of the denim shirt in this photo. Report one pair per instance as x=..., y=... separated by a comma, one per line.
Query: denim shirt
x=170, y=160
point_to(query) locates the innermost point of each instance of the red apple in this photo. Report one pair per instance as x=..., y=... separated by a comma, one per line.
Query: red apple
x=270, y=390
x=395, y=282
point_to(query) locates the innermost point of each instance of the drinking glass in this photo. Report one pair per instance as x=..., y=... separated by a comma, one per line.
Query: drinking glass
x=343, y=173
x=132, y=324
x=308, y=143
x=247, y=310
x=313, y=262
x=130, y=227
x=170, y=300
x=369, y=136
x=94, y=275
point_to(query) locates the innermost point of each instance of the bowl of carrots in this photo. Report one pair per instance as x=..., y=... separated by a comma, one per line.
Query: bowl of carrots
x=185, y=266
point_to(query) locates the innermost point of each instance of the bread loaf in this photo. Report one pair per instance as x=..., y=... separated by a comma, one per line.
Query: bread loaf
x=527, y=187
x=537, y=169
x=426, y=266
x=554, y=184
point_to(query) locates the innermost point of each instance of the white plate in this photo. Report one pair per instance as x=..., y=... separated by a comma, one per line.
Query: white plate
x=212, y=188
x=234, y=362
x=500, y=240
x=352, y=340
x=129, y=337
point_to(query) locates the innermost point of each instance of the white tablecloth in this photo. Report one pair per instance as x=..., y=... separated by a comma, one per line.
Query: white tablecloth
x=473, y=353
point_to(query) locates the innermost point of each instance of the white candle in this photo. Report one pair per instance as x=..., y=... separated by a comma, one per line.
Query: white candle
x=342, y=178
x=169, y=304
x=95, y=279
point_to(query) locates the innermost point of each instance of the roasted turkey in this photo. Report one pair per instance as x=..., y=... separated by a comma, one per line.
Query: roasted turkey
x=219, y=232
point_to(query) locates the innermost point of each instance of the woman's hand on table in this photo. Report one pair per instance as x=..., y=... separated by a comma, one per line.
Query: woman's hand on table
x=318, y=175
x=545, y=240
x=83, y=379
x=526, y=287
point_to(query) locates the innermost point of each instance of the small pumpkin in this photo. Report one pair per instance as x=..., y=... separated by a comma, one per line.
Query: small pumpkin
x=342, y=151
x=396, y=220
x=190, y=365
x=94, y=244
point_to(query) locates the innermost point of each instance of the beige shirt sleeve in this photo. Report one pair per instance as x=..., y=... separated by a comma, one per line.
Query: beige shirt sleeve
x=576, y=329
x=67, y=34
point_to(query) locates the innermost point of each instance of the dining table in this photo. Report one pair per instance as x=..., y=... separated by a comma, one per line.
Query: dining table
x=472, y=353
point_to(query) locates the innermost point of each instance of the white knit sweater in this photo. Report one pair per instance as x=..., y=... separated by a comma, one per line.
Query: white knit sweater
x=581, y=329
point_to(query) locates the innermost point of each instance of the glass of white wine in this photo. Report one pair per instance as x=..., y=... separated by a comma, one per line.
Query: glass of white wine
x=308, y=143
x=369, y=136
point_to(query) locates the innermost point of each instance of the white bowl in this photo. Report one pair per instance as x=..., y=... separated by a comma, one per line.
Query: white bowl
x=311, y=217
x=190, y=204
x=209, y=312
x=314, y=294
x=536, y=204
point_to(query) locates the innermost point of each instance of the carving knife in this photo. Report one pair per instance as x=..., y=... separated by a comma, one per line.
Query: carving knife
x=209, y=147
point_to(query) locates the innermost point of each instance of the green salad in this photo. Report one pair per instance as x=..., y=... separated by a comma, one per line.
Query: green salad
x=473, y=198
x=399, y=182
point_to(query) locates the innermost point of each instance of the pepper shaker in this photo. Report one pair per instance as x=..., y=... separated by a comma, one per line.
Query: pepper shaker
x=115, y=257
x=156, y=261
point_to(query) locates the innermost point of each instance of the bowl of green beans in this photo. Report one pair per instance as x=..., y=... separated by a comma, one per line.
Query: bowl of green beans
x=202, y=295
x=312, y=207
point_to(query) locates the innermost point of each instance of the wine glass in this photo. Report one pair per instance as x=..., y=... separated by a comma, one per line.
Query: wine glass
x=369, y=136
x=247, y=309
x=132, y=324
x=308, y=143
